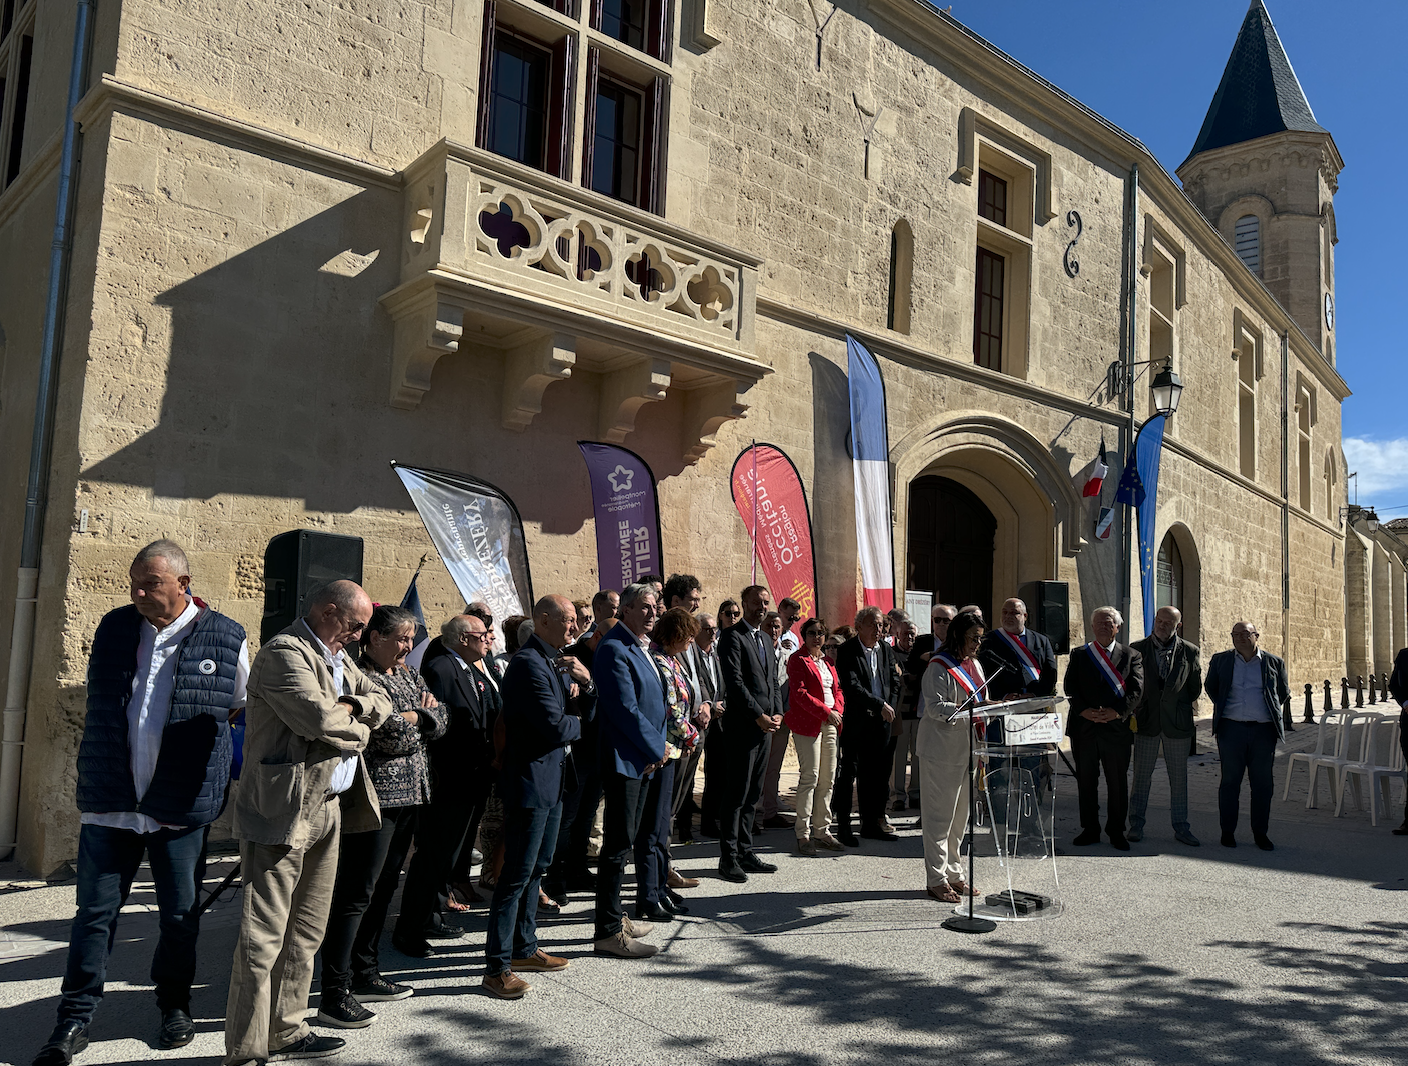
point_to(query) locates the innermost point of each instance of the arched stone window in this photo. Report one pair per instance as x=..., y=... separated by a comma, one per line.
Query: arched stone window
x=1246, y=239
x=1331, y=479
x=901, y=277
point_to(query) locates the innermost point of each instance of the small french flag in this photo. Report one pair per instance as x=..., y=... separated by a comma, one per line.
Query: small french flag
x=1097, y=472
x=1103, y=523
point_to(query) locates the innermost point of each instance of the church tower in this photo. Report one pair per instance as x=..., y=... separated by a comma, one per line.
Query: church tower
x=1264, y=172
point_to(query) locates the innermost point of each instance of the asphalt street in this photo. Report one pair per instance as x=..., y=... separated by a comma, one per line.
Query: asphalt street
x=1164, y=954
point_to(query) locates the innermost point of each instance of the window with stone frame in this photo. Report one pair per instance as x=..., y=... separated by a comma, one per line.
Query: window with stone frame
x=1331, y=478
x=16, y=65
x=1305, y=409
x=532, y=81
x=1004, y=188
x=1246, y=240
x=901, y=277
x=1247, y=348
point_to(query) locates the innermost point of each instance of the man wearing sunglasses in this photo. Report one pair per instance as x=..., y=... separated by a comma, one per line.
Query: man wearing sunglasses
x=310, y=714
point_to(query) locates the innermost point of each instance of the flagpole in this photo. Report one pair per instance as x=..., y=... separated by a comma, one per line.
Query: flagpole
x=755, y=511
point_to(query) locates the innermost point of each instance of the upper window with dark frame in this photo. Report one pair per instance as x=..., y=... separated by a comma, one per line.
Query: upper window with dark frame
x=640, y=24
x=518, y=101
x=992, y=197
x=616, y=142
x=17, y=18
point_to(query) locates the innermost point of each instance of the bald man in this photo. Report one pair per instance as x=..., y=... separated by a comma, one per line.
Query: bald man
x=310, y=714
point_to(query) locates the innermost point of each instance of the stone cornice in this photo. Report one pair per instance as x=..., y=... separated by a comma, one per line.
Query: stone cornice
x=112, y=94
x=989, y=65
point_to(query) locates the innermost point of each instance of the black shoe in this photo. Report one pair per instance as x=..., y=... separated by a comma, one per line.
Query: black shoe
x=66, y=1041
x=549, y=906
x=654, y=912
x=416, y=949
x=732, y=871
x=585, y=881
x=877, y=832
x=1402, y=830
x=1088, y=837
x=848, y=838
x=1264, y=843
x=380, y=990
x=752, y=864
x=177, y=1029
x=684, y=834
x=311, y=1046
x=1228, y=840
x=443, y=932
x=1119, y=843
x=777, y=821
x=709, y=829
x=341, y=1010
x=677, y=902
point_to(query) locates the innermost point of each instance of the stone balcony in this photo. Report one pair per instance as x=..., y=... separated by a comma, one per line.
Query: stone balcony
x=501, y=261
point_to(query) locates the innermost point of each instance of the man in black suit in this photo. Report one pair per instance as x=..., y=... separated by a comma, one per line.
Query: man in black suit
x=1027, y=657
x=1173, y=680
x=1104, y=682
x=569, y=870
x=538, y=734
x=754, y=713
x=461, y=777
x=871, y=687
x=1249, y=694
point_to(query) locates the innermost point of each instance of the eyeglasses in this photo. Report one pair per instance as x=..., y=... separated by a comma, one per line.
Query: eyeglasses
x=475, y=636
x=356, y=630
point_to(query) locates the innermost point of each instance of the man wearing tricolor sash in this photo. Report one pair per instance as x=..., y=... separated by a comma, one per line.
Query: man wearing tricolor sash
x=1104, y=682
x=1027, y=655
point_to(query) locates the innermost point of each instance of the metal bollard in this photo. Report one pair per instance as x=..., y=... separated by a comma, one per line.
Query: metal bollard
x=1329, y=699
x=1309, y=702
x=1373, y=686
x=1383, y=688
x=1344, y=693
x=1359, y=690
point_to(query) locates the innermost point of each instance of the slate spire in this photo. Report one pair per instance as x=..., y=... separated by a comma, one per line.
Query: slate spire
x=1259, y=93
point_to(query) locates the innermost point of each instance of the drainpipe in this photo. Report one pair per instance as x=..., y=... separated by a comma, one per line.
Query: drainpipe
x=42, y=445
x=1286, y=498
x=1130, y=351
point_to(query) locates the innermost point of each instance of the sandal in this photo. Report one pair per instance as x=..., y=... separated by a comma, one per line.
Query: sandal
x=944, y=893
x=963, y=888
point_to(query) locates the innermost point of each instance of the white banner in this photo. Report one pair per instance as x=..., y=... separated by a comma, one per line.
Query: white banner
x=477, y=531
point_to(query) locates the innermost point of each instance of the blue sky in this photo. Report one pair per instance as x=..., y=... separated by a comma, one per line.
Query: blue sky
x=1153, y=67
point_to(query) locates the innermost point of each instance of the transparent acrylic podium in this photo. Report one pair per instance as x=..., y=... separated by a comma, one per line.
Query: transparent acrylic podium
x=1017, y=800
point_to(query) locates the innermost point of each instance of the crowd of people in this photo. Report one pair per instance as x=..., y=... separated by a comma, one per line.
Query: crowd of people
x=584, y=737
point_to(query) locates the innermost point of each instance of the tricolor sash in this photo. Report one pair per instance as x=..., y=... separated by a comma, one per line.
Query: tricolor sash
x=956, y=671
x=1106, y=667
x=1031, y=669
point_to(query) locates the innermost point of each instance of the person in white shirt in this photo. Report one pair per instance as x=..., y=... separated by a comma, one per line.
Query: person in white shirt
x=164, y=677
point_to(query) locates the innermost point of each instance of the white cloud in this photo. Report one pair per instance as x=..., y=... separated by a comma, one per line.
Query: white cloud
x=1382, y=466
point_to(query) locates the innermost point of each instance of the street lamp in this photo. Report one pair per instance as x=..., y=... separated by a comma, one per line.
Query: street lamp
x=1167, y=388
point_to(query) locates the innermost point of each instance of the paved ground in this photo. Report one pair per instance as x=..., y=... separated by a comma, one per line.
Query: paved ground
x=1166, y=954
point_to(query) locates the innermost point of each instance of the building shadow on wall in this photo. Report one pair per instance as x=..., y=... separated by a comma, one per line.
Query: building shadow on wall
x=833, y=492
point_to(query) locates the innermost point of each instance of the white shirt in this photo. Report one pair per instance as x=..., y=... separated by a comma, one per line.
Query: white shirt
x=149, y=707
x=346, y=771
x=872, y=658
x=826, y=695
x=789, y=644
x=1245, y=702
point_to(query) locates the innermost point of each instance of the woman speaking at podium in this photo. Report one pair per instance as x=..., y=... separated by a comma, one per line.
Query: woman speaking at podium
x=952, y=678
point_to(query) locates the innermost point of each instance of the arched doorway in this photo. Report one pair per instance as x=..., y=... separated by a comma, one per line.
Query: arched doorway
x=1178, y=579
x=950, y=545
x=1168, y=577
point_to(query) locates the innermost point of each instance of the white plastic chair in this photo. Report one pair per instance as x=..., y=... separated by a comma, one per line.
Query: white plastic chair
x=1381, y=764
x=1348, y=748
x=1327, y=736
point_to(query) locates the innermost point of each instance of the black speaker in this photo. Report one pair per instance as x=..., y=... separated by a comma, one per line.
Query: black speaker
x=298, y=563
x=1049, y=612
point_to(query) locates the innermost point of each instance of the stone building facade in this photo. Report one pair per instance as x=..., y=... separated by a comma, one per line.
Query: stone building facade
x=467, y=233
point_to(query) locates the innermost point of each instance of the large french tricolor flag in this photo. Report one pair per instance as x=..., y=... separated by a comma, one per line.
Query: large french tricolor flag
x=870, y=451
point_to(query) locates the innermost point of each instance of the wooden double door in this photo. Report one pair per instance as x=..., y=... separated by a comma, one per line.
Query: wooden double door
x=951, y=539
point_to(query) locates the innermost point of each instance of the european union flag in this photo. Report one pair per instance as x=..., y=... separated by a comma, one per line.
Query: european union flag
x=411, y=602
x=1139, y=487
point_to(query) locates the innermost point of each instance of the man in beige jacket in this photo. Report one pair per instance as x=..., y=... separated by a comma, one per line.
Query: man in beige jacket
x=309, y=716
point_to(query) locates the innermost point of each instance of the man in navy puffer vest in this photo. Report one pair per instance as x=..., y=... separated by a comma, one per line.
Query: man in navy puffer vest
x=164, y=676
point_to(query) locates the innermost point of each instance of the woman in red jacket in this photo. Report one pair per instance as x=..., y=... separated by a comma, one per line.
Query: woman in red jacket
x=814, y=707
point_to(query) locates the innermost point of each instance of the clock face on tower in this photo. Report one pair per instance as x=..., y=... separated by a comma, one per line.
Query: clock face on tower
x=1329, y=311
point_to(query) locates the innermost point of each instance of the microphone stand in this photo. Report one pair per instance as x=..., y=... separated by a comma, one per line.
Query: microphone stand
x=968, y=923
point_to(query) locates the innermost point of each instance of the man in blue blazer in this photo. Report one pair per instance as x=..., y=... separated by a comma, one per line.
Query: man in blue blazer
x=538, y=734
x=631, y=710
x=1249, y=692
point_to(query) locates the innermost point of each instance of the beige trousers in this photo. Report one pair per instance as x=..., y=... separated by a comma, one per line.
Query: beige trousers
x=942, y=751
x=816, y=762
x=286, y=897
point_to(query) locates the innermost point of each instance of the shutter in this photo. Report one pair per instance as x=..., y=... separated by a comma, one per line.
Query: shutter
x=652, y=169
x=564, y=68
x=589, y=119
x=486, y=76
x=596, y=14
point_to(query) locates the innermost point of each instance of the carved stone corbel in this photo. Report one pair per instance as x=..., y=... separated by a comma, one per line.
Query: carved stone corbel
x=706, y=409
x=624, y=392
x=529, y=369
x=422, y=336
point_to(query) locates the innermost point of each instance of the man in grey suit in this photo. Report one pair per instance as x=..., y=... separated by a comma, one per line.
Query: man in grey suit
x=1173, y=680
x=1249, y=693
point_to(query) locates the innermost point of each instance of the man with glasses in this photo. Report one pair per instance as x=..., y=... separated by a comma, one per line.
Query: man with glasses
x=460, y=763
x=1249, y=693
x=310, y=714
